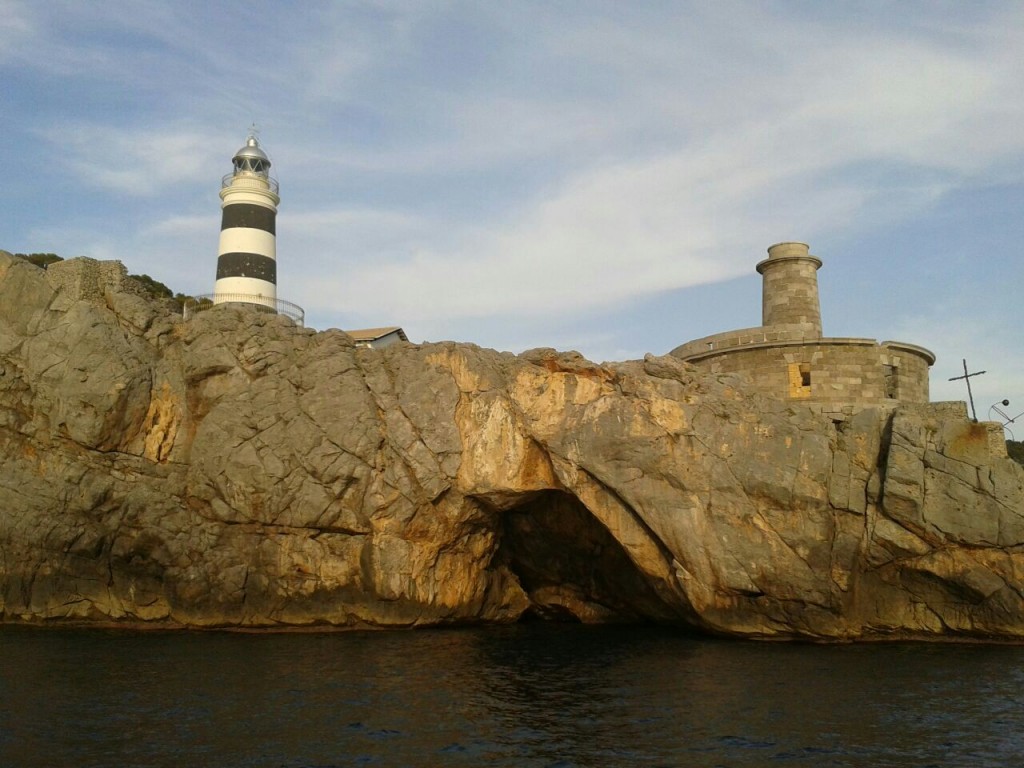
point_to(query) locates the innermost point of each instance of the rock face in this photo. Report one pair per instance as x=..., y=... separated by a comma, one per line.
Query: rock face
x=238, y=471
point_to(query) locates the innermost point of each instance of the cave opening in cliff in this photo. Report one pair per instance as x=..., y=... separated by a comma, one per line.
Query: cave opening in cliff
x=570, y=566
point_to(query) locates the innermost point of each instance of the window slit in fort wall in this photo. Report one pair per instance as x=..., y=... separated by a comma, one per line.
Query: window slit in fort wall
x=799, y=380
x=892, y=381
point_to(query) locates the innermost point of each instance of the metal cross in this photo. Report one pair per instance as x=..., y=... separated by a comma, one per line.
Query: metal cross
x=967, y=377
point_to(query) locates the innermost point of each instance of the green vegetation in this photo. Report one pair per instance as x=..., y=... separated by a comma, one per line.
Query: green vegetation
x=154, y=288
x=158, y=290
x=1015, y=448
x=39, y=259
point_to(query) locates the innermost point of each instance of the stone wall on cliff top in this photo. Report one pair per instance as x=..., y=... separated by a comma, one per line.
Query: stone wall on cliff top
x=239, y=471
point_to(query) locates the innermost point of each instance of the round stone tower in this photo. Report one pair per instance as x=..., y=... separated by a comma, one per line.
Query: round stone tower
x=247, y=260
x=790, y=287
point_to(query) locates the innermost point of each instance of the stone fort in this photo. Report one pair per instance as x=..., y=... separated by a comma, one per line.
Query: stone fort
x=787, y=357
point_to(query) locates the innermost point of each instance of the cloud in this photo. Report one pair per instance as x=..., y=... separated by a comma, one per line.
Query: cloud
x=832, y=132
x=142, y=162
x=980, y=337
x=15, y=28
x=608, y=233
x=450, y=163
x=54, y=39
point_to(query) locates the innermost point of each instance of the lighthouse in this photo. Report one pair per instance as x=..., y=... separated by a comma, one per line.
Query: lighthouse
x=247, y=258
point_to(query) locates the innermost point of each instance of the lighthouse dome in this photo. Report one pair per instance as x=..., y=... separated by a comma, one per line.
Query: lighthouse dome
x=251, y=158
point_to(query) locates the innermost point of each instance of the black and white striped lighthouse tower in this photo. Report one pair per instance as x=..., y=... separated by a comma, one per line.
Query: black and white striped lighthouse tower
x=247, y=259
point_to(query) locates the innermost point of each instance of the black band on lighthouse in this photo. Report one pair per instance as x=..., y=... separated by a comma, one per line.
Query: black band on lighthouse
x=247, y=265
x=250, y=216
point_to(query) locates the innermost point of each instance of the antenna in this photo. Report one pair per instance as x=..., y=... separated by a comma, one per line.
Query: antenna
x=1008, y=419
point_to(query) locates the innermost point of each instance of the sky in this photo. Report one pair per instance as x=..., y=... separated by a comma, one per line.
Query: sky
x=592, y=176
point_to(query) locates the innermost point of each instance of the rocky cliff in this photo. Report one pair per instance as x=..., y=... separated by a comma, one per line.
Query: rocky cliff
x=235, y=470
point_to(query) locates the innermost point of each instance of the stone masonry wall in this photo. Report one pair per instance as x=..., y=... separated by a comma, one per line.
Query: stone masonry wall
x=790, y=287
x=790, y=294
x=718, y=342
x=86, y=279
x=840, y=371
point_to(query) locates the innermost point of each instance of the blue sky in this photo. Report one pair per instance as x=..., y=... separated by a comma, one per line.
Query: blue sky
x=598, y=176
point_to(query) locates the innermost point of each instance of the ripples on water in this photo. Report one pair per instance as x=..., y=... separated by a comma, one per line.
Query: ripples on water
x=528, y=695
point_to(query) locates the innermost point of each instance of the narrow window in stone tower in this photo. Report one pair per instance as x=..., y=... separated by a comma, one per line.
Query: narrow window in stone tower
x=799, y=380
x=892, y=381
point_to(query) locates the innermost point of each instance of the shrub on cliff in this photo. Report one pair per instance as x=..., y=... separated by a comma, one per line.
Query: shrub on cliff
x=42, y=260
x=1015, y=449
x=154, y=288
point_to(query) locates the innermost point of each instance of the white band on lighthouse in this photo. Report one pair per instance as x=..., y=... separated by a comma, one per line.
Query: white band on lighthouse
x=247, y=257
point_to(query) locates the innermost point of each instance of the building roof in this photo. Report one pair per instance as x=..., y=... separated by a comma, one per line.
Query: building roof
x=372, y=334
x=252, y=149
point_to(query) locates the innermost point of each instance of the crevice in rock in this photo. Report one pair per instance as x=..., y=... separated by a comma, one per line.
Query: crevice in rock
x=570, y=566
x=884, y=446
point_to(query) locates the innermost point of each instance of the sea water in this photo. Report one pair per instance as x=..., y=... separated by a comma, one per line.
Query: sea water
x=524, y=695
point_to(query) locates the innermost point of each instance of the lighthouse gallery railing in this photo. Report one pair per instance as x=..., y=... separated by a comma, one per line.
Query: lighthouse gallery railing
x=198, y=304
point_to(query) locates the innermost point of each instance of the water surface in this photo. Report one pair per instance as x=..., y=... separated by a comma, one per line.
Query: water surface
x=527, y=695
